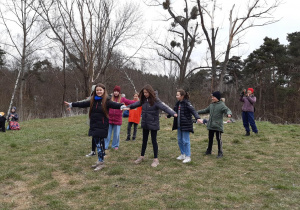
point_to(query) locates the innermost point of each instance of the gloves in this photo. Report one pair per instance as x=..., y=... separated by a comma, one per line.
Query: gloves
x=122, y=107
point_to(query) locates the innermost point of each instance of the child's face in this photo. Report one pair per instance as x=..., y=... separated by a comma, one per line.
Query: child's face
x=179, y=97
x=249, y=92
x=135, y=97
x=214, y=99
x=146, y=93
x=13, y=110
x=99, y=91
x=116, y=93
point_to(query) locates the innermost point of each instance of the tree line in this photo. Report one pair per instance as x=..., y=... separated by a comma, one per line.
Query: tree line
x=54, y=50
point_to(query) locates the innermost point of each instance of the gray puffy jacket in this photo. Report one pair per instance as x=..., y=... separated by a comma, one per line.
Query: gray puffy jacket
x=150, y=114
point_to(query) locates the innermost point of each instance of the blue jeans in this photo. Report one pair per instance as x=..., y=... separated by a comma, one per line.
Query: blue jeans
x=116, y=138
x=248, y=118
x=184, y=142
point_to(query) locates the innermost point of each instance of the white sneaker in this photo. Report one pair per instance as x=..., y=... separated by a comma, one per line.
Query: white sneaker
x=181, y=157
x=92, y=153
x=187, y=159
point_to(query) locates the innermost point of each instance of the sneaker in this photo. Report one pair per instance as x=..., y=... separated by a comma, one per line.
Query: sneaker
x=187, y=159
x=247, y=134
x=92, y=153
x=98, y=163
x=127, y=139
x=116, y=148
x=99, y=167
x=139, y=160
x=133, y=139
x=220, y=155
x=155, y=163
x=181, y=157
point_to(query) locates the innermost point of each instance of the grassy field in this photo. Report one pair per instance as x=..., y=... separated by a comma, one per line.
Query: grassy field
x=43, y=166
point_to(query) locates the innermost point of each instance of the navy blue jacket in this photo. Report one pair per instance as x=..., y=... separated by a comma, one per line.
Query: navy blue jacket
x=186, y=112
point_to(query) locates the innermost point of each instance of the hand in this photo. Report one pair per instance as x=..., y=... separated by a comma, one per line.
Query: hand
x=200, y=121
x=69, y=105
x=126, y=108
x=229, y=116
x=175, y=115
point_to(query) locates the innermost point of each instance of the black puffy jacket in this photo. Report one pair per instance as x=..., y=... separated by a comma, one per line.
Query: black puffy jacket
x=150, y=114
x=98, y=121
x=186, y=112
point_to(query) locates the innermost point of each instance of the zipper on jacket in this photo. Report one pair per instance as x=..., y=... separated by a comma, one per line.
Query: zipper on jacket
x=97, y=105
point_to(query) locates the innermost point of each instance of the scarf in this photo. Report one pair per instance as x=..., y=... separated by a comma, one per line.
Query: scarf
x=98, y=97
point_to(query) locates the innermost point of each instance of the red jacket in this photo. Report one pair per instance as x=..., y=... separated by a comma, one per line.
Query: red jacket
x=135, y=115
x=115, y=115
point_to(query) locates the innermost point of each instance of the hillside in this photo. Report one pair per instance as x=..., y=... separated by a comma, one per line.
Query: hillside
x=43, y=166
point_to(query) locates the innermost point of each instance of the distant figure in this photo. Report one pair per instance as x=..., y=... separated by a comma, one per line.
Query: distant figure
x=183, y=123
x=2, y=121
x=215, y=123
x=151, y=105
x=133, y=119
x=13, y=118
x=248, y=110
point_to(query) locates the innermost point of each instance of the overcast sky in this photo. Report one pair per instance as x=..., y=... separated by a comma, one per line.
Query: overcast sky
x=288, y=13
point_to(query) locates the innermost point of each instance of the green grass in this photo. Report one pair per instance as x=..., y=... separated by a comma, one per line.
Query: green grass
x=43, y=166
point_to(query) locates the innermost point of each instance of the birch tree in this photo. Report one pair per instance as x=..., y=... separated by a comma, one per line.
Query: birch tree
x=24, y=30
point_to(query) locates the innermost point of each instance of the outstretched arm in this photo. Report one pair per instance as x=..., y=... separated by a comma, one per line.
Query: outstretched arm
x=161, y=105
x=204, y=111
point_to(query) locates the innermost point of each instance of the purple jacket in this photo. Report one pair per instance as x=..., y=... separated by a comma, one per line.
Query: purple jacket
x=249, y=101
x=115, y=115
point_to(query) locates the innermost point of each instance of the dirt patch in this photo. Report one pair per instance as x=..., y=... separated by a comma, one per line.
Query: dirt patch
x=17, y=194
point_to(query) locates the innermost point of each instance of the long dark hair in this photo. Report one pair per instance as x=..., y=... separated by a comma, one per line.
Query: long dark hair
x=184, y=93
x=152, y=95
x=104, y=99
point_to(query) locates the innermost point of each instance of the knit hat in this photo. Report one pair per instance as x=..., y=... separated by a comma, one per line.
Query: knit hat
x=217, y=94
x=117, y=88
x=15, y=108
x=252, y=90
x=2, y=114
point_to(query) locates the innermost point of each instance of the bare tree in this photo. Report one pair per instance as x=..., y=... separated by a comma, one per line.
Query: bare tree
x=258, y=13
x=185, y=28
x=94, y=30
x=19, y=17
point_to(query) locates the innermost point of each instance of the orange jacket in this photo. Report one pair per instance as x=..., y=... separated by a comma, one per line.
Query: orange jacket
x=135, y=115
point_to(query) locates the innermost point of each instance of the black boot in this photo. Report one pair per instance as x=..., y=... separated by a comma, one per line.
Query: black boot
x=247, y=134
x=220, y=154
x=208, y=152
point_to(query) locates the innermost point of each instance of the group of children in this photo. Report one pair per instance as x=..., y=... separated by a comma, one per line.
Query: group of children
x=13, y=118
x=106, y=117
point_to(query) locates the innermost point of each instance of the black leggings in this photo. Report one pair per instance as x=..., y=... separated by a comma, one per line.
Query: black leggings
x=93, y=145
x=211, y=140
x=154, y=141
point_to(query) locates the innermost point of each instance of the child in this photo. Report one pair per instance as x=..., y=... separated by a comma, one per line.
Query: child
x=215, y=123
x=115, y=119
x=98, y=113
x=2, y=121
x=248, y=111
x=13, y=118
x=150, y=119
x=184, y=124
x=133, y=119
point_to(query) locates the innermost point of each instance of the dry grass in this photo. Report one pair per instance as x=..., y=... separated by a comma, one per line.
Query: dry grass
x=43, y=166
